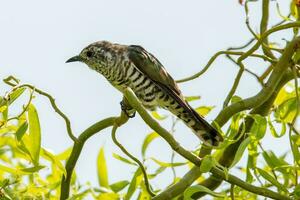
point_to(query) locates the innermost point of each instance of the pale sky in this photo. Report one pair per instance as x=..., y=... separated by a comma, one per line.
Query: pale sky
x=37, y=37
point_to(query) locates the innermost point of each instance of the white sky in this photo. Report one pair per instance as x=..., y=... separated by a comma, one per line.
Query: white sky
x=37, y=37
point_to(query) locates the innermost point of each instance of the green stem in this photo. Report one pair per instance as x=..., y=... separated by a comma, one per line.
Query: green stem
x=76, y=151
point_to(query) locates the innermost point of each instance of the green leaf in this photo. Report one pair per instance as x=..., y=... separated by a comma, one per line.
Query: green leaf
x=259, y=127
x=125, y=160
x=273, y=130
x=49, y=156
x=65, y=154
x=21, y=131
x=207, y=163
x=9, y=170
x=13, y=96
x=235, y=99
x=165, y=164
x=134, y=183
x=157, y=116
x=102, y=169
x=34, y=142
x=204, y=110
x=118, y=186
x=188, y=193
x=272, y=160
x=32, y=169
x=192, y=98
x=157, y=171
x=286, y=111
x=240, y=151
x=148, y=139
x=271, y=179
x=295, y=143
x=296, y=192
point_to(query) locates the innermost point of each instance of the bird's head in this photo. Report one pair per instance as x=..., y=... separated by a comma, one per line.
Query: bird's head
x=97, y=55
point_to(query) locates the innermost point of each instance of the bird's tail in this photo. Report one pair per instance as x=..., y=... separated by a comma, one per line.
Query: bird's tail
x=206, y=132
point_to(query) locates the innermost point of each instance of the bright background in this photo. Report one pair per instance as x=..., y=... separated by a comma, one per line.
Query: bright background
x=37, y=37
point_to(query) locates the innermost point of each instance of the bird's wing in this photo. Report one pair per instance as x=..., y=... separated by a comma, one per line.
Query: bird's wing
x=146, y=63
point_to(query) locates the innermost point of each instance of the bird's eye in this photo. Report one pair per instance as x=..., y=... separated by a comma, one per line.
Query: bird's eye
x=89, y=54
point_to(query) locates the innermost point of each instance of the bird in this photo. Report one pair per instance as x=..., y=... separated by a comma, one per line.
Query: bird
x=131, y=66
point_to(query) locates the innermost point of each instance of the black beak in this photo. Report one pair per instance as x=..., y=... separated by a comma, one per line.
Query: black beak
x=74, y=59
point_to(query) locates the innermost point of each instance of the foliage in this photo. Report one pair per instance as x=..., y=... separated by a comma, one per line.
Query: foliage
x=29, y=171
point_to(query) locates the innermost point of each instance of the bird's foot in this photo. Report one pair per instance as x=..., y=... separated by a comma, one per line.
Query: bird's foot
x=129, y=112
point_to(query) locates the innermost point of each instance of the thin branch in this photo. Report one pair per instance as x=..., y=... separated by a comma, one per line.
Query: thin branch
x=123, y=149
x=263, y=27
x=243, y=46
x=214, y=57
x=277, y=73
x=179, y=187
x=25, y=108
x=76, y=151
x=51, y=99
x=232, y=192
x=235, y=84
x=134, y=102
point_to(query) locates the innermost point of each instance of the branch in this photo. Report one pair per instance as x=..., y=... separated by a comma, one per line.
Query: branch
x=77, y=148
x=257, y=100
x=214, y=57
x=134, y=102
x=51, y=99
x=229, y=153
x=123, y=149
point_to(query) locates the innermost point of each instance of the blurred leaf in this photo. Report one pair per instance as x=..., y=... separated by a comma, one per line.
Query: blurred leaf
x=108, y=196
x=271, y=179
x=52, y=158
x=259, y=126
x=204, y=110
x=21, y=131
x=32, y=169
x=157, y=171
x=34, y=142
x=235, y=99
x=148, y=139
x=240, y=151
x=102, y=169
x=272, y=160
x=144, y=195
x=296, y=192
x=188, y=193
x=165, y=164
x=207, y=163
x=13, y=96
x=134, y=183
x=3, y=108
x=65, y=154
x=8, y=170
x=125, y=160
x=295, y=147
x=157, y=116
x=118, y=186
x=287, y=110
x=192, y=98
x=273, y=130
x=80, y=195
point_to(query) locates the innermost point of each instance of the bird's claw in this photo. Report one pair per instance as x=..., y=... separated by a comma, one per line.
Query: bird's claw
x=125, y=109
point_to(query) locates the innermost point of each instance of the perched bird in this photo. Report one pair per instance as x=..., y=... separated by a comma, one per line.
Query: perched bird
x=132, y=66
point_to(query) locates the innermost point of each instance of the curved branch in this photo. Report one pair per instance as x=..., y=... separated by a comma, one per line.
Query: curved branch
x=123, y=149
x=77, y=148
x=257, y=100
x=50, y=98
x=134, y=102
